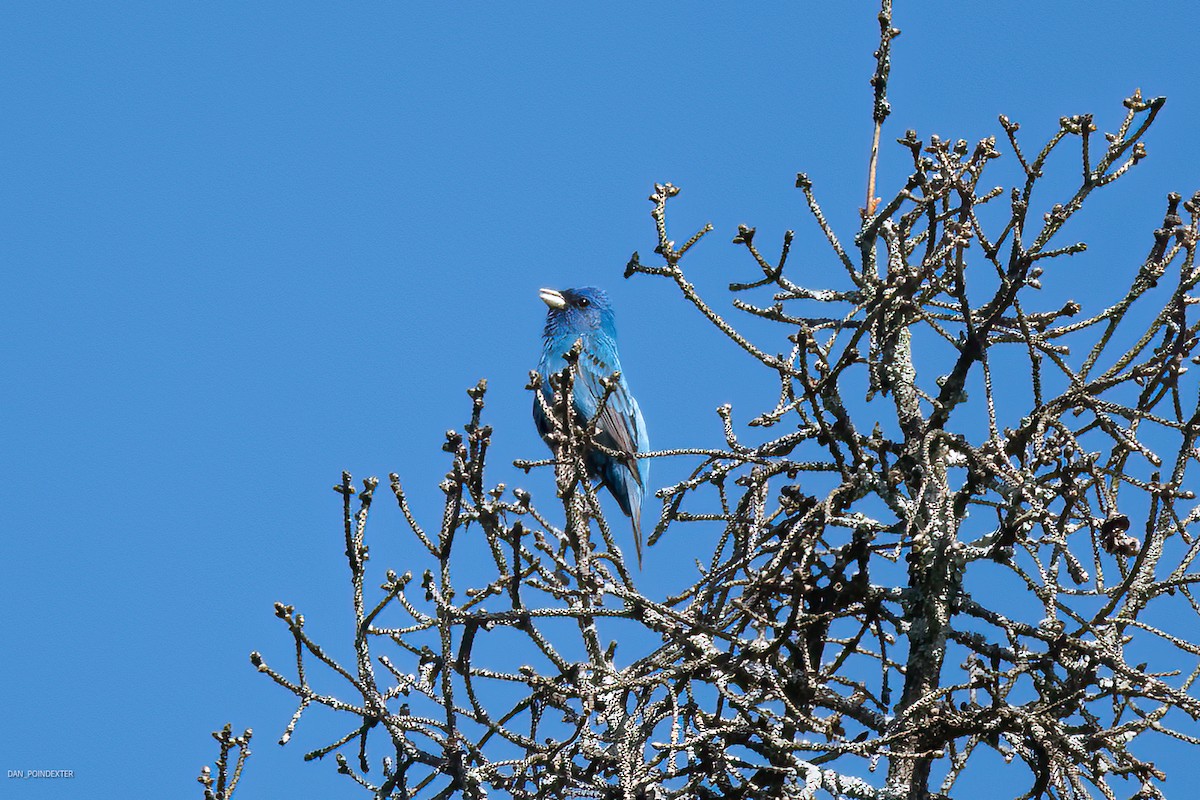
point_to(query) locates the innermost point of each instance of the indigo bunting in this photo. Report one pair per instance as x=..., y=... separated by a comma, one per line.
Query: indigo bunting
x=587, y=314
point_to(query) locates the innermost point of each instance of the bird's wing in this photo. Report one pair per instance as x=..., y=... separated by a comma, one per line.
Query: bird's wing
x=620, y=421
x=621, y=429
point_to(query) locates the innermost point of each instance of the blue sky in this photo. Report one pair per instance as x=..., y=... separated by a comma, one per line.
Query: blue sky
x=249, y=245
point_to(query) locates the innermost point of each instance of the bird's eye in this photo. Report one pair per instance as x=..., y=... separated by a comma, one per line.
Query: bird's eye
x=583, y=302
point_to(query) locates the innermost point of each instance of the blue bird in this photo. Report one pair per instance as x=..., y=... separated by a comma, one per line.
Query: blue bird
x=587, y=314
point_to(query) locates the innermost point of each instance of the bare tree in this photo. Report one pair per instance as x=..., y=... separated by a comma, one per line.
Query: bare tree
x=901, y=582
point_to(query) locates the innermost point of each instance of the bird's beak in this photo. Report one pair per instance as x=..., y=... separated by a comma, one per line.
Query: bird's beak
x=552, y=298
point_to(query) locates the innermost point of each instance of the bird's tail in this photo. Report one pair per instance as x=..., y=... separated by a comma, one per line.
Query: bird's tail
x=634, y=489
x=637, y=532
x=627, y=487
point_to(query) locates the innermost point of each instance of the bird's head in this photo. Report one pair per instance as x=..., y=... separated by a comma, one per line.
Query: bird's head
x=578, y=311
